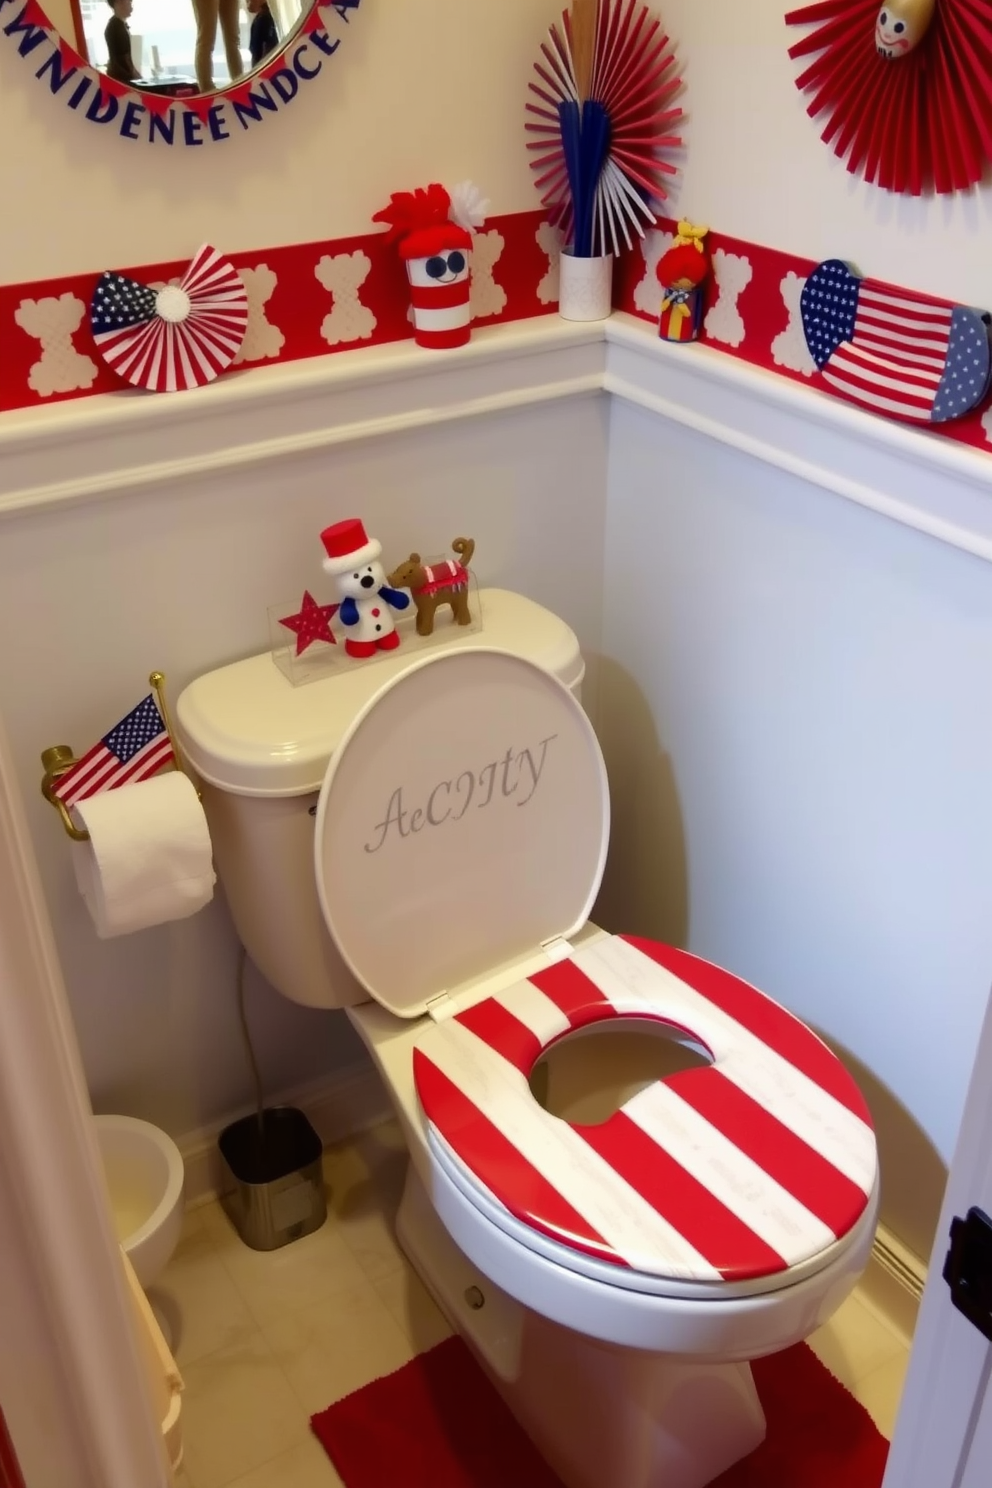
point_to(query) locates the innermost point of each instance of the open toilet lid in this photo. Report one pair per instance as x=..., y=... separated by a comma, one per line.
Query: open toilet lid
x=462, y=823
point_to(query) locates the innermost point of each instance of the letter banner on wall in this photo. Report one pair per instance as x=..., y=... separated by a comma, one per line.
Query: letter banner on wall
x=136, y=112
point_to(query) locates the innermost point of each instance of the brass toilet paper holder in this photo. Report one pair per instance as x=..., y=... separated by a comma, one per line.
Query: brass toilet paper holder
x=60, y=758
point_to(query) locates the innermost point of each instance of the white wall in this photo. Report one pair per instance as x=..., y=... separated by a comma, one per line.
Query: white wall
x=32, y=1374
x=817, y=677
x=755, y=166
x=436, y=89
x=420, y=90
x=803, y=777
x=93, y=597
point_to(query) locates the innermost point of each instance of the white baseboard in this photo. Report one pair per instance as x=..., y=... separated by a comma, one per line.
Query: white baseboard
x=893, y=1283
x=348, y=1102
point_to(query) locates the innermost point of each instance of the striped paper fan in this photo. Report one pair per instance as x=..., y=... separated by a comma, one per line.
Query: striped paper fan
x=629, y=83
x=175, y=338
x=910, y=124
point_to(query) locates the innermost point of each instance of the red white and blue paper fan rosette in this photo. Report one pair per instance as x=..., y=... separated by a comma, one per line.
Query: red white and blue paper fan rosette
x=177, y=337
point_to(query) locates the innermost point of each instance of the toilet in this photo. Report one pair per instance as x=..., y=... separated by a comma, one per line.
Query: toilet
x=421, y=843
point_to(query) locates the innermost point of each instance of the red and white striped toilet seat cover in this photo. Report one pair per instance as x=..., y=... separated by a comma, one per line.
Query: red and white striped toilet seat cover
x=756, y=1163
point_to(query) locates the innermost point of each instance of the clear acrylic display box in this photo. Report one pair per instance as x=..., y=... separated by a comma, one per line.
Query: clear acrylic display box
x=321, y=660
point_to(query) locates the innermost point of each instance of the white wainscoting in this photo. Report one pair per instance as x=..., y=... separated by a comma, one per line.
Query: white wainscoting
x=111, y=448
x=406, y=412
x=920, y=479
x=117, y=444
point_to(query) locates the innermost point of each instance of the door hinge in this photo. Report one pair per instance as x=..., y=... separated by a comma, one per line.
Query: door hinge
x=968, y=1269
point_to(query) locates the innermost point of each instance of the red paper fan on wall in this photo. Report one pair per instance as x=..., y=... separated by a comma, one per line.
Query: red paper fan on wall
x=906, y=88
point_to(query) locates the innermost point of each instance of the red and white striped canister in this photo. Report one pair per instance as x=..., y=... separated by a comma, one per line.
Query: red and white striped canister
x=440, y=290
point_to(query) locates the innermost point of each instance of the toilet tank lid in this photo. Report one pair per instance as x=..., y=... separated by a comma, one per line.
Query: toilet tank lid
x=248, y=730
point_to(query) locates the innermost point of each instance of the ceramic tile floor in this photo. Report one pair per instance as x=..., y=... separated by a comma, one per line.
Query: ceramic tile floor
x=265, y=1340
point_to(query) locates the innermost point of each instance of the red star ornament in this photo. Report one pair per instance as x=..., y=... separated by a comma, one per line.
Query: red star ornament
x=313, y=623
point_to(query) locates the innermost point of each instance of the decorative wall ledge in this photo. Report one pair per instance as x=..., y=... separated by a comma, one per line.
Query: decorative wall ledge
x=123, y=442
x=914, y=477
x=115, y=444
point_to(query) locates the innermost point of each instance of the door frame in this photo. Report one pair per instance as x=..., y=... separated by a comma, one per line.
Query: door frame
x=949, y=1366
x=77, y=1334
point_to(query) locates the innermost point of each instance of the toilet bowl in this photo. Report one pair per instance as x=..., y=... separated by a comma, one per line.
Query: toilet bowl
x=423, y=846
x=144, y=1173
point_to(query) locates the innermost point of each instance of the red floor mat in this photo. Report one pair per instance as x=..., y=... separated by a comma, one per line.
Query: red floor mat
x=438, y=1423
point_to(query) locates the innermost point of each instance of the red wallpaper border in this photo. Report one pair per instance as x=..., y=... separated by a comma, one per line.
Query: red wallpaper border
x=750, y=312
x=762, y=320
x=296, y=308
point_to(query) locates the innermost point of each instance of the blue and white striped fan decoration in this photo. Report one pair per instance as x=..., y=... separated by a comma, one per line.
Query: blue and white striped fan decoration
x=599, y=118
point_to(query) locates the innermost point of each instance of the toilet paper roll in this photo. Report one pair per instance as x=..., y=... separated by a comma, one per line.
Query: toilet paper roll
x=148, y=859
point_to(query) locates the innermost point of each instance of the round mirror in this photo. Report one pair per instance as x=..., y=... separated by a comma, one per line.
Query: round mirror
x=184, y=47
x=177, y=71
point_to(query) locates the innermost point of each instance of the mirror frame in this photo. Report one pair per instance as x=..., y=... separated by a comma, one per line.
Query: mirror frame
x=153, y=118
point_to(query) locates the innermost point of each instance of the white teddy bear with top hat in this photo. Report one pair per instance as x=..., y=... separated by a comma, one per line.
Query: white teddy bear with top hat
x=367, y=600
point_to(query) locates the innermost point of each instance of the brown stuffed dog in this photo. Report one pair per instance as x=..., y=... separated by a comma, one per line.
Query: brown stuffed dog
x=437, y=584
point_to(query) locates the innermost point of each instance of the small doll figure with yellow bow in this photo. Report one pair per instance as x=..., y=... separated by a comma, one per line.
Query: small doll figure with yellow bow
x=681, y=273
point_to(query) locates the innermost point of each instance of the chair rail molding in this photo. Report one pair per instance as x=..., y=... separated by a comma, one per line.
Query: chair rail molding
x=917, y=478
x=117, y=444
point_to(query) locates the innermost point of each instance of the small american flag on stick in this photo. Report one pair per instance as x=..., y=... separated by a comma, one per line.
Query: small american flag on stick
x=134, y=749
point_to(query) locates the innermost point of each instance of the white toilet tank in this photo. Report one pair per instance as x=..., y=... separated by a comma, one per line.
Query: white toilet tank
x=261, y=748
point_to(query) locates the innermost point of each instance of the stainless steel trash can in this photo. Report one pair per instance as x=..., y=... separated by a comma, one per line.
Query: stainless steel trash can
x=273, y=1181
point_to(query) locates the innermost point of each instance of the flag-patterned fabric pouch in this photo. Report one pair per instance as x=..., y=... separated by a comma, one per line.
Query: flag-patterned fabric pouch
x=894, y=351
